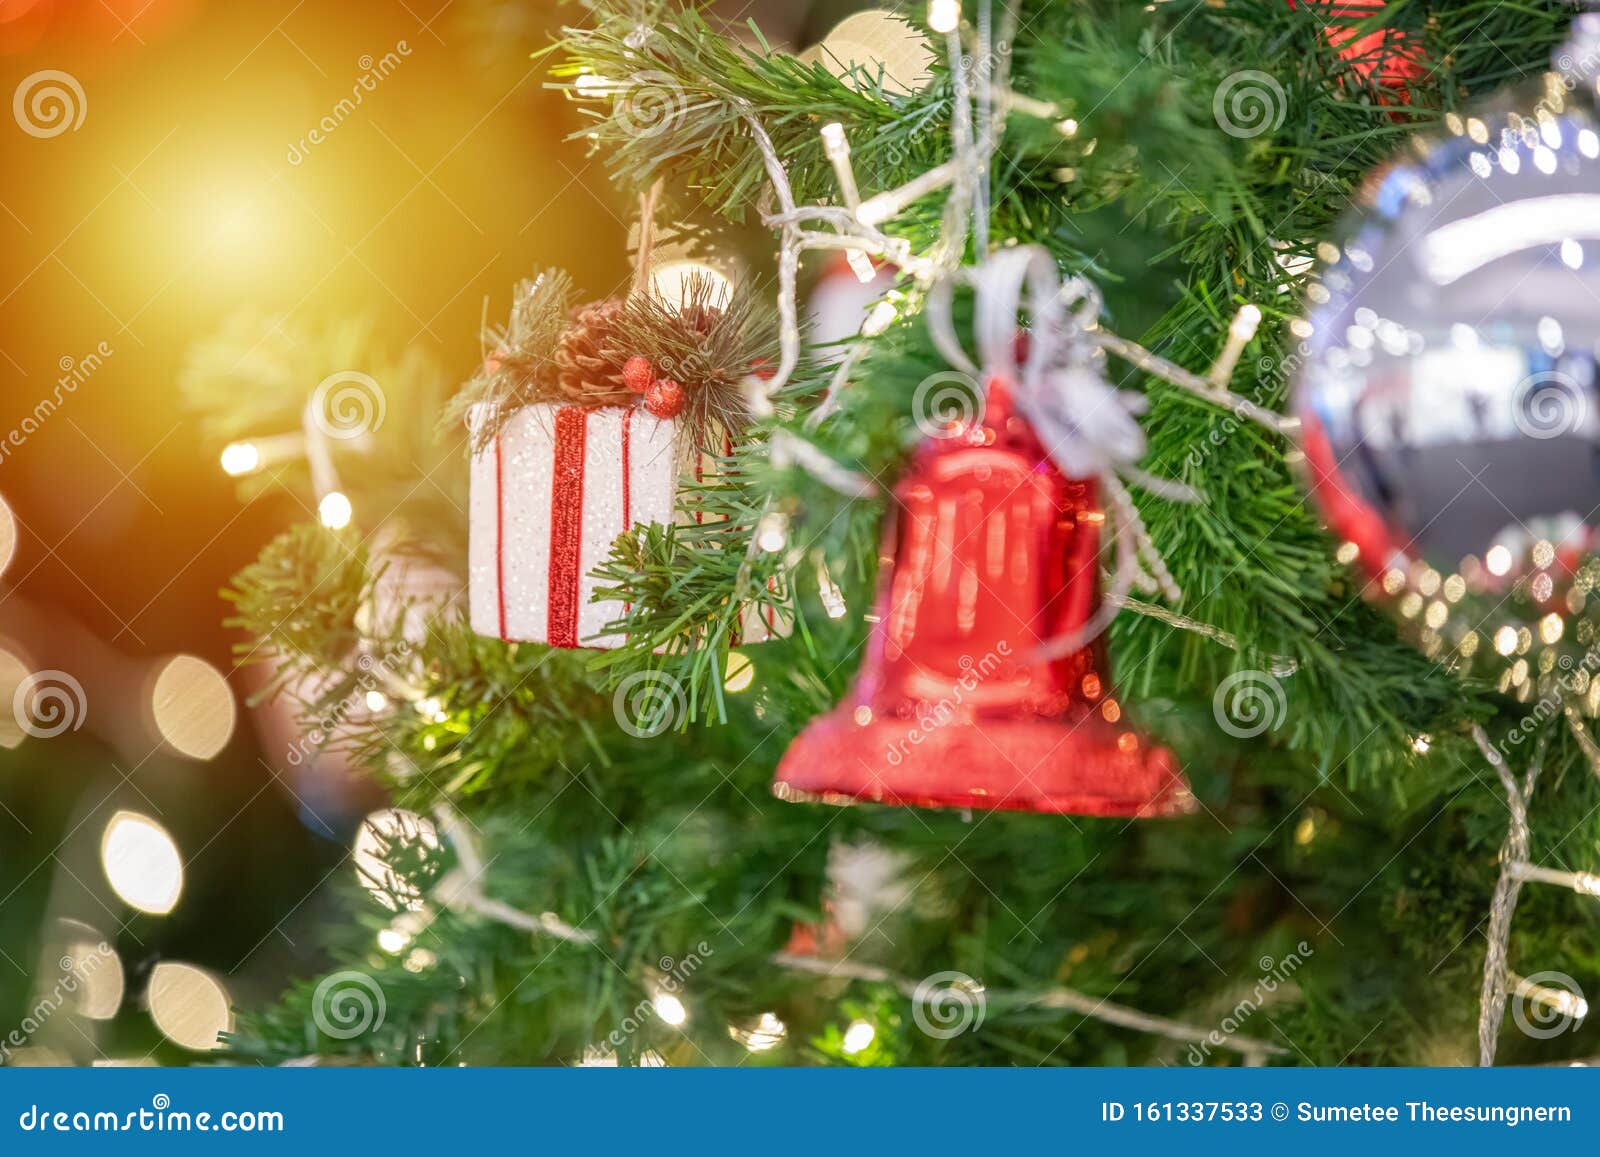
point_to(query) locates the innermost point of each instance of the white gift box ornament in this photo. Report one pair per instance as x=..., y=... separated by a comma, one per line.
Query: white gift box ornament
x=551, y=491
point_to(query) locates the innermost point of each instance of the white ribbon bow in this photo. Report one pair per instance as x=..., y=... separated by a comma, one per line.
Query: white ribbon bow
x=1087, y=425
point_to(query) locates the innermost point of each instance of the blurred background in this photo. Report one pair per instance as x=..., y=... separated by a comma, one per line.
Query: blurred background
x=161, y=857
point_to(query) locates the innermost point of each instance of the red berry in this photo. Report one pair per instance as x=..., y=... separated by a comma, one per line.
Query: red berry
x=492, y=363
x=638, y=373
x=665, y=399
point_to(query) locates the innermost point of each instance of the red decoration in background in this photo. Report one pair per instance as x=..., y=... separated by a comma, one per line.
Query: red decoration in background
x=1388, y=56
x=1348, y=513
x=94, y=25
x=993, y=552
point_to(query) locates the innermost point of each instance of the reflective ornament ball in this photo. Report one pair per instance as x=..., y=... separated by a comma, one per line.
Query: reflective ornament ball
x=1448, y=392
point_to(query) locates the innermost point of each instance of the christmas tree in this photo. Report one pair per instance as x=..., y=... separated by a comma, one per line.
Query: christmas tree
x=586, y=860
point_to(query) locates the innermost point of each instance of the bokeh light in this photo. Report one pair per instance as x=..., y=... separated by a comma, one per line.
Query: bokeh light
x=766, y=1032
x=13, y=670
x=8, y=536
x=741, y=672
x=671, y=280
x=876, y=38
x=381, y=832
x=189, y=1005
x=858, y=1037
x=142, y=863
x=944, y=15
x=193, y=707
x=670, y=1009
x=335, y=511
x=240, y=458
x=96, y=968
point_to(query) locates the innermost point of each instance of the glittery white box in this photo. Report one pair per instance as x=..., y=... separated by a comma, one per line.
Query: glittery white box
x=518, y=507
x=513, y=513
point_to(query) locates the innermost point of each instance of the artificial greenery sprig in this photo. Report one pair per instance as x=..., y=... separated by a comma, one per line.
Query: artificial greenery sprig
x=1363, y=825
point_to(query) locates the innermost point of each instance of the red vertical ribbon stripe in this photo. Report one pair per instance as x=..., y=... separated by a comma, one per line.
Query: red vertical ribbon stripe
x=566, y=524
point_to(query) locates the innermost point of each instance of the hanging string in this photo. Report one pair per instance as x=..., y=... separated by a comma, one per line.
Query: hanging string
x=1492, y=999
x=645, y=253
x=1070, y=999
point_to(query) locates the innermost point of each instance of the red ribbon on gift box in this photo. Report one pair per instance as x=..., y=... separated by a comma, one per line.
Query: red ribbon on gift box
x=566, y=524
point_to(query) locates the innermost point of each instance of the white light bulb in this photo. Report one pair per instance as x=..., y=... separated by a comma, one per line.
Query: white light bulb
x=335, y=510
x=773, y=533
x=1244, y=325
x=240, y=458
x=670, y=1009
x=768, y=1032
x=879, y=318
x=858, y=1036
x=944, y=15
x=861, y=265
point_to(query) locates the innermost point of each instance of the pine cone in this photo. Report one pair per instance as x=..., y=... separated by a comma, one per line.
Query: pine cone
x=588, y=361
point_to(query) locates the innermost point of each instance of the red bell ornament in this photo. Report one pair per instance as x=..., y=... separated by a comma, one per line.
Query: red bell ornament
x=990, y=553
